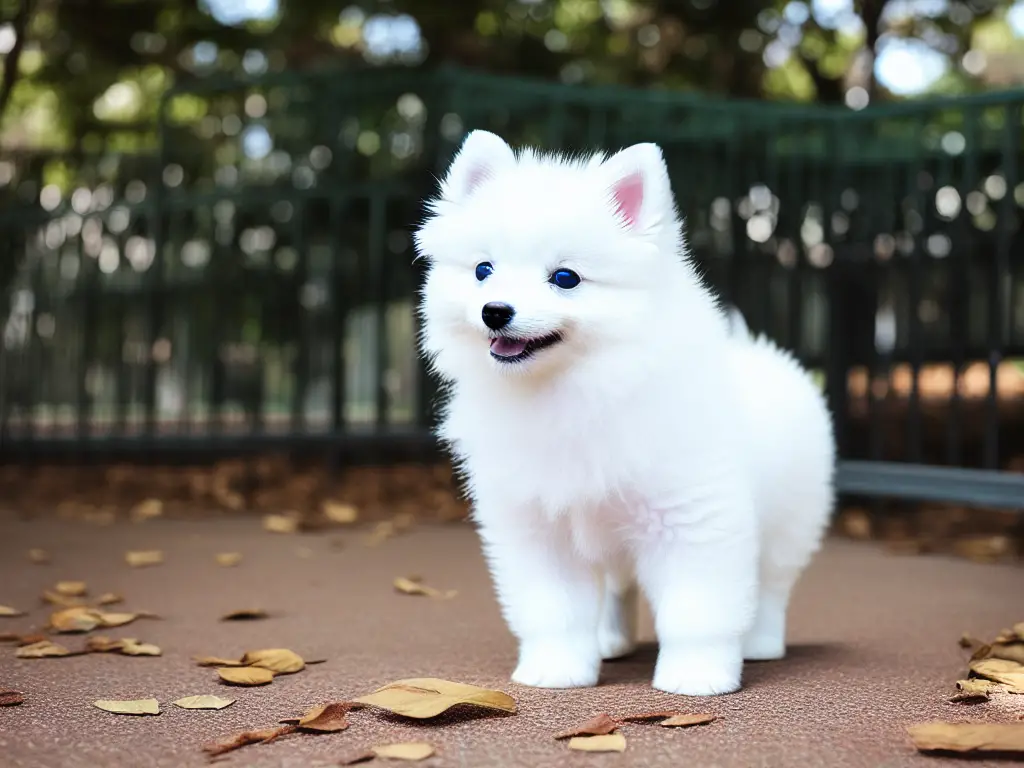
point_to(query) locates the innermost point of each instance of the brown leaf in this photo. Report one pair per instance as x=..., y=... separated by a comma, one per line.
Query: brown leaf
x=77, y=619
x=426, y=697
x=39, y=556
x=44, y=649
x=109, y=598
x=134, y=707
x=413, y=586
x=381, y=532
x=326, y=718
x=11, y=698
x=14, y=637
x=203, y=702
x=339, y=513
x=981, y=652
x=410, y=751
x=247, y=737
x=229, y=559
x=214, y=661
x=146, y=510
x=973, y=690
x=143, y=557
x=245, y=675
x=245, y=614
x=1007, y=652
x=1001, y=671
x=70, y=588
x=645, y=716
x=132, y=647
x=6, y=610
x=599, y=725
x=685, y=721
x=286, y=523
x=968, y=737
x=53, y=598
x=612, y=742
x=278, y=660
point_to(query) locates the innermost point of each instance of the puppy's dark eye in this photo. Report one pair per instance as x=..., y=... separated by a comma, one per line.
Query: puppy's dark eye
x=484, y=270
x=564, y=278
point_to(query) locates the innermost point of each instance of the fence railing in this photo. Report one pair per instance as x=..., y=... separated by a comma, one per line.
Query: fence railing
x=249, y=282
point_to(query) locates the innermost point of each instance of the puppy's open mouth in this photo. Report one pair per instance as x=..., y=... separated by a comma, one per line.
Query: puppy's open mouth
x=505, y=349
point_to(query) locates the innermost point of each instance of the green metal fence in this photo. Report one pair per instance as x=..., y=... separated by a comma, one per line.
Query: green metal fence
x=247, y=281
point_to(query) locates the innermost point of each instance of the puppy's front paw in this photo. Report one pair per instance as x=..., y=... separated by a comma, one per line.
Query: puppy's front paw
x=699, y=670
x=563, y=664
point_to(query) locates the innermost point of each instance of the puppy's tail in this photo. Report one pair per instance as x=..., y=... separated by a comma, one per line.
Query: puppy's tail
x=736, y=323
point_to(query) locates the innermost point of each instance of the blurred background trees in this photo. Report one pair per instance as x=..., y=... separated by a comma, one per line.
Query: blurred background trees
x=75, y=67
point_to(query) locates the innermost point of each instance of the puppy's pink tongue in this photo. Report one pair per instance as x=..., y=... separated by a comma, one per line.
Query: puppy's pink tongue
x=507, y=347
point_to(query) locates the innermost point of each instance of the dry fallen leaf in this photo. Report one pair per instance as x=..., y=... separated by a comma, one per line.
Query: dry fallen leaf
x=411, y=751
x=599, y=725
x=11, y=698
x=146, y=510
x=135, y=707
x=247, y=737
x=612, y=742
x=1007, y=651
x=685, y=721
x=286, y=523
x=44, y=649
x=39, y=556
x=214, y=661
x=54, y=598
x=132, y=647
x=381, y=532
x=278, y=660
x=1000, y=670
x=14, y=637
x=245, y=614
x=6, y=610
x=245, y=675
x=144, y=557
x=326, y=718
x=413, y=586
x=229, y=559
x=77, y=619
x=968, y=737
x=425, y=697
x=340, y=513
x=203, y=702
x=974, y=690
x=70, y=588
x=641, y=717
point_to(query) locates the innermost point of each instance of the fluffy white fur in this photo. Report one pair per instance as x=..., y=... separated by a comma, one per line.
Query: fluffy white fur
x=656, y=445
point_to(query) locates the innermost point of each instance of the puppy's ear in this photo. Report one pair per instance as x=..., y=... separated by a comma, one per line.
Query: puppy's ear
x=479, y=158
x=639, y=190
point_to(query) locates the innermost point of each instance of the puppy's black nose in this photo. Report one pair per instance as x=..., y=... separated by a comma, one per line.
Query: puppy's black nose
x=497, y=315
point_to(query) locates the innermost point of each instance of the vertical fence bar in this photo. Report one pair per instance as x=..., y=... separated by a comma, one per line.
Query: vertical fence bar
x=915, y=340
x=378, y=267
x=154, y=276
x=837, y=358
x=90, y=290
x=338, y=315
x=301, y=324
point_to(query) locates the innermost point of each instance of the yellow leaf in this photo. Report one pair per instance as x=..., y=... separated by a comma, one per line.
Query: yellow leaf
x=245, y=675
x=77, y=619
x=213, y=661
x=39, y=556
x=134, y=707
x=968, y=737
x=245, y=614
x=426, y=697
x=144, y=557
x=146, y=510
x=612, y=742
x=413, y=586
x=6, y=610
x=410, y=750
x=1000, y=670
x=286, y=523
x=116, y=619
x=43, y=649
x=131, y=647
x=53, y=598
x=229, y=559
x=203, y=702
x=340, y=513
x=109, y=598
x=973, y=690
x=279, y=660
x=685, y=721
x=70, y=588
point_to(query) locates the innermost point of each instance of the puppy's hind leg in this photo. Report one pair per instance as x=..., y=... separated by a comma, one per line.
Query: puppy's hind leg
x=616, y=631
x=766, y=640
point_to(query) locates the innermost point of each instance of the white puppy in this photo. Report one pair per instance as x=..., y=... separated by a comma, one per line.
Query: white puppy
x=613, y=429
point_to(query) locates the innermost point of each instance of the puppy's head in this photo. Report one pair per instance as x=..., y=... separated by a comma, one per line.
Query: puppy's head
x=538, y=260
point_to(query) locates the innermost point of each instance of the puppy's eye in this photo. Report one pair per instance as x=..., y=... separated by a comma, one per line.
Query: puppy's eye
x=564, y=278
x=484, y=270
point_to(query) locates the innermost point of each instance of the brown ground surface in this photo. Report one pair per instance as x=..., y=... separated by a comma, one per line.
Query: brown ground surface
x=873, y=648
